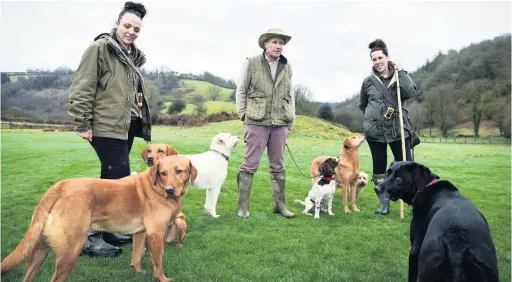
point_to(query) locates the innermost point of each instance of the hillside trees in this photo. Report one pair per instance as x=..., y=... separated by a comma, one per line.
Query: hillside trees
x=303, y=100
x=468, y=85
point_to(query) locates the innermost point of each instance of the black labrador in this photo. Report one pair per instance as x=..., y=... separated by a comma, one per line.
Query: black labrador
x=450, y=238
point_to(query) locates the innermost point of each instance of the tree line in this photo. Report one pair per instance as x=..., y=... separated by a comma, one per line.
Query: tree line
x=465, y=86
x=469, y=85
x=41, y=95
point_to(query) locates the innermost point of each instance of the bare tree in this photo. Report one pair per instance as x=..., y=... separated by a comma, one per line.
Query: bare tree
x=499, y=112
x=430, y=103
x=303, y=100
x=416, y=115
x=477, y=94
x=443, y=95
x=214, y=92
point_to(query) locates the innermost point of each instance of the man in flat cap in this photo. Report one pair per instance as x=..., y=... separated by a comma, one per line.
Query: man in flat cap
x=265, y=103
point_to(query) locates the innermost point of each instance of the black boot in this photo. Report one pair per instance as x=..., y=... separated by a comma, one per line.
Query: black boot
x=383, y=197
x=95, y=246
x=116, y=239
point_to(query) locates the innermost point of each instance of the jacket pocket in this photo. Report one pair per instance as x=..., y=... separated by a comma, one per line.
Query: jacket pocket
x=369, y=127
x=256, y=106
x=287, y=112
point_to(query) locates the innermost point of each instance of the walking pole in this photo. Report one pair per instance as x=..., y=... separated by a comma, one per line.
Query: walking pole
x=401, y=132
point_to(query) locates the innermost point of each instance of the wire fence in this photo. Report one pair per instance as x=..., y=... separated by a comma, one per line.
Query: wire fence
x=467, y=140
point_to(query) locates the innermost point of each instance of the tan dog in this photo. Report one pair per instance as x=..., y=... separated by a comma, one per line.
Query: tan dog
x=347, y=171
x=177, y=229
x=153, y=152
x=141, y=204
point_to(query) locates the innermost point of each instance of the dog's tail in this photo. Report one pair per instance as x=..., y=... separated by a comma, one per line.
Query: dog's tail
x=34, y=231
x=300, y=202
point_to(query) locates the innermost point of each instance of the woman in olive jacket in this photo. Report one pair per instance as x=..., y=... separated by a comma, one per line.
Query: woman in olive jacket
x=381, y=124
x=107, y=103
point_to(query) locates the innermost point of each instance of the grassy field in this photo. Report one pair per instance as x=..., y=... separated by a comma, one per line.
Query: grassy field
x=201, y=88
x=487, y=128
x=212, y=106
x=14, y=78
x=263, y=247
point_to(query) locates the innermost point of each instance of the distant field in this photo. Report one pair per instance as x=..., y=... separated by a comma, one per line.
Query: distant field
x=201, y=88
x=14, y=78
x=213, y=107
x=483, y=131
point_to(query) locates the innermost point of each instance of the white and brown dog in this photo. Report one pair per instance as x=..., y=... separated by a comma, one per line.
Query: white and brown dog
x=212, y=168
x=323, y=190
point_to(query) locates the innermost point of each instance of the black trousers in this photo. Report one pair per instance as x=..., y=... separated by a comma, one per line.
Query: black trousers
x=380, y=154
x=114, y=154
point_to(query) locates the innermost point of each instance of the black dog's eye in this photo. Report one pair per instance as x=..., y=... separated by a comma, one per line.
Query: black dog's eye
x=399, y=180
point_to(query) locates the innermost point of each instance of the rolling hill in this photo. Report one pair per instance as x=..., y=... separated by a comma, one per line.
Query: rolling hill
x=191, y=88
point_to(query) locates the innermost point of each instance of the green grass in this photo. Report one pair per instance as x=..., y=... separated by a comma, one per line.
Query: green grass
x=213, y=107
x=14, y=78
x=201, y=88
x=263, y=247
x=483, y=131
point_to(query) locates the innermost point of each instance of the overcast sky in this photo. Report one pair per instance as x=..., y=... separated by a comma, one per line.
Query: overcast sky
x=328, y=50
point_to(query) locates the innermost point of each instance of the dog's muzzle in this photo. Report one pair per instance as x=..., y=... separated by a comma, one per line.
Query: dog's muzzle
x=169, y=191
x=151, y=161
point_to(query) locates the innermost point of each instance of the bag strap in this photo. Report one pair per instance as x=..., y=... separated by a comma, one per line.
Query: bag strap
x=385, y=91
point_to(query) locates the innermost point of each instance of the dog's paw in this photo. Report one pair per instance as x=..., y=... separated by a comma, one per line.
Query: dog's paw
x=137, y=268
x=164, y=279
x=356, y=209
x=346, y=210
x=208, y=212
x=331, y=214
x=317, y=217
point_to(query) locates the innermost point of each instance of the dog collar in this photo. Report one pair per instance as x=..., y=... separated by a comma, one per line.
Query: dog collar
x=224, y=156
x=327, y=178
x=432, y=182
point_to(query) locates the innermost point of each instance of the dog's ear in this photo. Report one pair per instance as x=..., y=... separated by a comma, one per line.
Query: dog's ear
x=144, y=153
x=153, y=172
x=193, y=173
x=421, y=175
x=171, y=151
x=346, y=143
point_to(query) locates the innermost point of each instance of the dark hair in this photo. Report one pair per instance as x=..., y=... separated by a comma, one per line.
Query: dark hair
x=376, y=45
x=133, y=8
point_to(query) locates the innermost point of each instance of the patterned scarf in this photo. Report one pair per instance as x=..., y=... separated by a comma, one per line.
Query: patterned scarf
x=121, y=53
